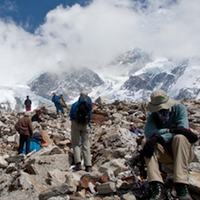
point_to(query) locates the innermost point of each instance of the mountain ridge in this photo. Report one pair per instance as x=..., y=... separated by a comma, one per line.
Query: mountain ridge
x=131, y=76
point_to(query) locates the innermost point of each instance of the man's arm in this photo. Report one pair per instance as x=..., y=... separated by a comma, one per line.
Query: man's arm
x=180, y=116
x=72, y=110
x=151, y=127
x=30, y=127
x=17, y=127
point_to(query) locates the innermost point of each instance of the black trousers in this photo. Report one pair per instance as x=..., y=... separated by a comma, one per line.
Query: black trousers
x=22, y=140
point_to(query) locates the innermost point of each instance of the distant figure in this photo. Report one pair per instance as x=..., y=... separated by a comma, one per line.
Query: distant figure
x=62, y=101
x=59, y=107
x=27, y=103
x=80, y=115
x=25, y=129
x=134, y=129
x=37, y=116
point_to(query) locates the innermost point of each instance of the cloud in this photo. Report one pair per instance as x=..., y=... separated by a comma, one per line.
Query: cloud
x=173, y=31
x=93, y=35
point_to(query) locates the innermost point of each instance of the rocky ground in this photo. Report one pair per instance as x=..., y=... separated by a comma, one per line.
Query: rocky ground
x=48, y=173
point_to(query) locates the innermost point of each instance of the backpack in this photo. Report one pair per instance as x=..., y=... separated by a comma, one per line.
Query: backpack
x=83, y=109
x=61, y=101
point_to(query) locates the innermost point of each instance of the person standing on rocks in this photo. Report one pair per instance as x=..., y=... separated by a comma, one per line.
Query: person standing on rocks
x=27, y=104
x=25, y=129
x=80, y=115
x=169, y=140
x=59, y=107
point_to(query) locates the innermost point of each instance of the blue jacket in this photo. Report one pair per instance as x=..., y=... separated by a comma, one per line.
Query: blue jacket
x=73, y=109
x=55, y=99
x=178, y=117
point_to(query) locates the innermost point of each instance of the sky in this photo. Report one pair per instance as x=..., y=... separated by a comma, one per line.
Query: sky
x=54, y=35
x=29, y=14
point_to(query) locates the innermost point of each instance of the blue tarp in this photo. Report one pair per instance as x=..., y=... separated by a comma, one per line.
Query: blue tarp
x=34, y=145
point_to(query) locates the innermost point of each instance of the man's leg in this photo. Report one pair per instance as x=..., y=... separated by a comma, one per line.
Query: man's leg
x=153, y=172
x=21, y=143
x=62, y=110
x=160, y=155
x=183, y=154
x=57, y=110
x=27, y=138
x=28, y=108
x=75, y=138
x=86, y=145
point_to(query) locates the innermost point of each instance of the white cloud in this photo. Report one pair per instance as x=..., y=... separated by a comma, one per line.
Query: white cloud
x=92, y=35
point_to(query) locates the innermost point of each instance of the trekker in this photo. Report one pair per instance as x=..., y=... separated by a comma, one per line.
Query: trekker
x=25, y=129
x=59, y=107
x=27, y=103
x=134, y=129
x=169, y=140
x=37, y=116
x=80, y=115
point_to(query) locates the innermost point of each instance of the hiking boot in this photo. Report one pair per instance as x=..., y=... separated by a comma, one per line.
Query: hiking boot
x=78, y=167
x=157, y=191
x=182, y=192
x=88, y=169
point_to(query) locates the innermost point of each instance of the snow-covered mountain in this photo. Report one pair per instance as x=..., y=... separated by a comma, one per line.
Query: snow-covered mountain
x=13, y=96
x=69, y=83
x=131, y=77
x=135, y=75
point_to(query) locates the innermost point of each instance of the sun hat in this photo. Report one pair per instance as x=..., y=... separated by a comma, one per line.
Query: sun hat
x=160, y=100
x=27, y=114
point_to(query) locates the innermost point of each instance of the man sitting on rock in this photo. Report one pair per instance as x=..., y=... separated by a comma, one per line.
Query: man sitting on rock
x=169, y=140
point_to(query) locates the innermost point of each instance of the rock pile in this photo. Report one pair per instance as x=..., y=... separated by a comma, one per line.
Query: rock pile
x=48, y=173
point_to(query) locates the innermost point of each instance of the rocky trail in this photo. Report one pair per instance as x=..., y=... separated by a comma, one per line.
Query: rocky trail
x=48, y=174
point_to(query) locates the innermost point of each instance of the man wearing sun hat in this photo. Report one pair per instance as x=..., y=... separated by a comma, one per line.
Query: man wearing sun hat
x=169, y=140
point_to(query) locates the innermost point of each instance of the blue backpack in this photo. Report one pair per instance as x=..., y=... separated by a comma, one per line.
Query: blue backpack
x=83, y=110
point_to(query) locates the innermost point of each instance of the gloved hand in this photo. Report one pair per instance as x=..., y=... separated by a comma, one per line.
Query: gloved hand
x=149, y=146
x=192, y=137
